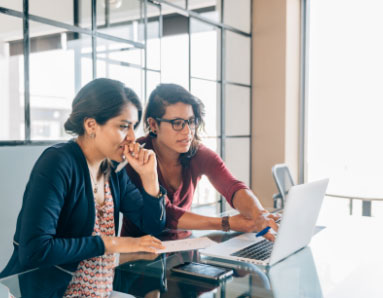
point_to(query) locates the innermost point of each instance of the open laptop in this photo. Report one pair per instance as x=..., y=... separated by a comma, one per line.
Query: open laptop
x=296, y=228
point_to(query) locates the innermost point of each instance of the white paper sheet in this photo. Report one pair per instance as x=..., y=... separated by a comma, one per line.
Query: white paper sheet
x=186, y=244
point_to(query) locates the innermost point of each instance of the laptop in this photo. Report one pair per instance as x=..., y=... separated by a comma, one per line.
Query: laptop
x=296, y=228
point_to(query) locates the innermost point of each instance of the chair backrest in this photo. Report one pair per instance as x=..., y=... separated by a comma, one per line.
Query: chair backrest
x=16, y=163
x=284, y=181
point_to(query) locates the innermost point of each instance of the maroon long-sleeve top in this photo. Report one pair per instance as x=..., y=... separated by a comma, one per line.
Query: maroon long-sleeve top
x=204, y=162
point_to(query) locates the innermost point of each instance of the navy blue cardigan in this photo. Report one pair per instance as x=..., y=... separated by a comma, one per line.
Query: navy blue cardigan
x=57, y=218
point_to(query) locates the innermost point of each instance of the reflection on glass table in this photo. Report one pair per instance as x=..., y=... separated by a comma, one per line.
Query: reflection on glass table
x=296, y=276
x=153, y=278
x=343, y=260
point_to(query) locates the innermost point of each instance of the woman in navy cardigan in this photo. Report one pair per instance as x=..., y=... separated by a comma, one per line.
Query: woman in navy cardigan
x=71, y=205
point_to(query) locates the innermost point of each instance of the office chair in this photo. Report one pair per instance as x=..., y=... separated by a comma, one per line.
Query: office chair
x=284, y=181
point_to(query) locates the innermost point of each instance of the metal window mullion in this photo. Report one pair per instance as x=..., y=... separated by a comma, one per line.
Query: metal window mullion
x=145, y=49
x=11, y=12
x=81, y=30
x=107, y=13
x=76, y=15
x=26, y=44
x=220, y=82
x=238, y=84
x=107, y=24
x=29, y=143
x=237, y=136
x=189, y=50
x=206, y=80
x=303, y=90
x=160, y=37
x=222, y=107
x=94, y=45
x=84, y=30
x=77, y=51
x=251, y=96
x=196, y=15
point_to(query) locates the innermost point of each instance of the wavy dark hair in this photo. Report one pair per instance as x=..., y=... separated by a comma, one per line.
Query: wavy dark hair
x=101, y=99
x=165, y=95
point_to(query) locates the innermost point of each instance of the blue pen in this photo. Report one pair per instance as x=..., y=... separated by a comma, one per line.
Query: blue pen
x=263, y=232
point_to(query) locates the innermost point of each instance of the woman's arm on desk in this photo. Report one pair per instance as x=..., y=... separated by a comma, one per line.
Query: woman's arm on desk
x=237, y=194
x=193, y=221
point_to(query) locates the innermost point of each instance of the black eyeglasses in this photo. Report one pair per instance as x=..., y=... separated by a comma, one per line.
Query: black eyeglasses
x=178, y=124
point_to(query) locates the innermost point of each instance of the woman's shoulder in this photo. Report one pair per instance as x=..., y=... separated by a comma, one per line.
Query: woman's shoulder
x=60, y=155
x=204, y=158
x=59, y=150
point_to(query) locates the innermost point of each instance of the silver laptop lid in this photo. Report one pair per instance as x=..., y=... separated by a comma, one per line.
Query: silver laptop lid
x=301, y=212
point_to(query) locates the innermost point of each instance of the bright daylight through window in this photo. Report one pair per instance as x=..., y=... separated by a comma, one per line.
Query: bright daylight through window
x=345, y=100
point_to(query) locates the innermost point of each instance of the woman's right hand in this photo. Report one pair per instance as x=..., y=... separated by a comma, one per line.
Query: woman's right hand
x=146, y=243
x=241, y=223
x=144, y=162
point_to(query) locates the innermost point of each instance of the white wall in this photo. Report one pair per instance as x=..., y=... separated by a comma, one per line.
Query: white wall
x=16, y=163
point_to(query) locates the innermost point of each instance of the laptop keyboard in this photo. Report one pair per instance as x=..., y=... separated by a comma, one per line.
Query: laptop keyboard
x=258, y=251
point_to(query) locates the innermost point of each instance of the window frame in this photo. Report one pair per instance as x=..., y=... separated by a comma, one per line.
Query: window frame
x=94, y=34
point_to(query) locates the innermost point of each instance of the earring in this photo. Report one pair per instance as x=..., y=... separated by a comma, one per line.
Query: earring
x=92, y=135
x=153, y=134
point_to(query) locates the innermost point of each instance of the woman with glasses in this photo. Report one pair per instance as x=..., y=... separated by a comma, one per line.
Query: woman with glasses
x=174, y=119
x=69, y=219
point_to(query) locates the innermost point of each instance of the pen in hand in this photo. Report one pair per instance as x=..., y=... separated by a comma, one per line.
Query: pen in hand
x=263, y=232
x=123, y=164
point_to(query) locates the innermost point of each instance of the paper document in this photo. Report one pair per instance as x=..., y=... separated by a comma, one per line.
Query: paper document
x=185, y=244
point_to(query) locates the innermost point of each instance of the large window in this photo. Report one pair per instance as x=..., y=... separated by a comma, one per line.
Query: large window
x=47, y=52
x=345, y=100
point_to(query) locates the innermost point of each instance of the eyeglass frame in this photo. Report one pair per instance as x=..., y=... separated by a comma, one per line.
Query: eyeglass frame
x=193, y=124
